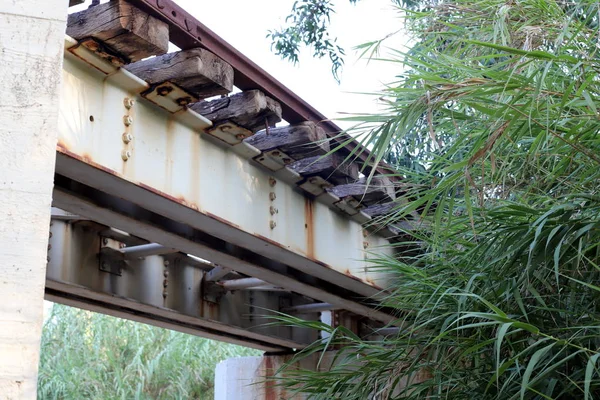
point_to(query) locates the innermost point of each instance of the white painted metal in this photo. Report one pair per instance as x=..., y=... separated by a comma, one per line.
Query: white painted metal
x=31, y=35
x=169, y=156
x=145, y=250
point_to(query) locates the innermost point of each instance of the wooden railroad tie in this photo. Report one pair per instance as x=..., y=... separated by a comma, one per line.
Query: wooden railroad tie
x=119, y=31
x=240, y=115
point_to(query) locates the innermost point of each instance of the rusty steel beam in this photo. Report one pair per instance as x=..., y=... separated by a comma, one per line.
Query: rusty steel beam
x=187, y=32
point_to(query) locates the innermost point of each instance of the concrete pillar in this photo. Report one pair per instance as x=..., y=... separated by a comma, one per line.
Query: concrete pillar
x=243, y=378
x=31, y=48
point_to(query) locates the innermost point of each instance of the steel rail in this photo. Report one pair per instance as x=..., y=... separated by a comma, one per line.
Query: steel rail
x=187, y=32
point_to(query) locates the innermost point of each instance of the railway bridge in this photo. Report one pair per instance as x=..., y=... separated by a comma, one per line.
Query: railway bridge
x=185, y=189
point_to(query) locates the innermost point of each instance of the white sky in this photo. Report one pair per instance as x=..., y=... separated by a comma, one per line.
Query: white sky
x=244, y=24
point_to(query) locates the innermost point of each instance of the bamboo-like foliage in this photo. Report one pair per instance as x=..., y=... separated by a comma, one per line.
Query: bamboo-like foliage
x=85, y=355
x=498, y=106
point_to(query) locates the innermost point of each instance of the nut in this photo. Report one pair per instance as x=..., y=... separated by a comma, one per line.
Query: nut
x=126, y=155
x=166, y=263
x=272, y=181
x=127, y=120
x=164, y=90
x=272, y=196
x=273, y=210
x=272, y=224
x=128, y=103
x=127, y=137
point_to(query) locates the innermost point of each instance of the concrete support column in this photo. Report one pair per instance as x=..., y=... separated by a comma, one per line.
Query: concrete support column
x=31, y=53
x=243, y=378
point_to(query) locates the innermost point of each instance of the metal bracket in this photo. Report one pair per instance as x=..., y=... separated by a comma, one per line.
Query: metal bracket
x=112, y=261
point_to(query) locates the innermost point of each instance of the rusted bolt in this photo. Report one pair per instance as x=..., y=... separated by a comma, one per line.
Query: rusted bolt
x=127, y=120
x=128, y=103
x=272, y=224
x=272, y=196
x=92, y=45
x=365, y=245
x=240, y=136
x=313, y=180
x=287, y=160
x=273, y=210
x=184, y=101
x=275, y=153
x=122, y=245
x=127, y=137
x=105, y=241
x=272, y=181
x=166, y=263
x=164, y=90
x=126, y=155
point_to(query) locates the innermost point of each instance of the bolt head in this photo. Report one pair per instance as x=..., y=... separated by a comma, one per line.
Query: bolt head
x=127, y=120
x=272, y=196
x=240, y=136
x=127, y=137
x=272, y=224
x=166, y=263
x=126, y=155
x=272, y=181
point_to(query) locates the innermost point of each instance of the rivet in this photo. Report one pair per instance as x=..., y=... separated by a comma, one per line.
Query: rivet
x=128, y=103
x=127, y=137
x=272, y=196
x=160, y=4
x=272, y=224
x=272, y=181
x=273, y=210
x=127, y=120
x=125, y=155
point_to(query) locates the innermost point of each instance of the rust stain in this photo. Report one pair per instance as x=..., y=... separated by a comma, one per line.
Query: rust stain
x=270, y=390
x=222, y=220
x=309, y=227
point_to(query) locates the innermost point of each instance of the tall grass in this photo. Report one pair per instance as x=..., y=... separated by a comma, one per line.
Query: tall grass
x=499, y=293
x=85, y=355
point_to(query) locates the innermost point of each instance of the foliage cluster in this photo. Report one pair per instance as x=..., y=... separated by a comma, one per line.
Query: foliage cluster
x=496, y=122
x=85, y=355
